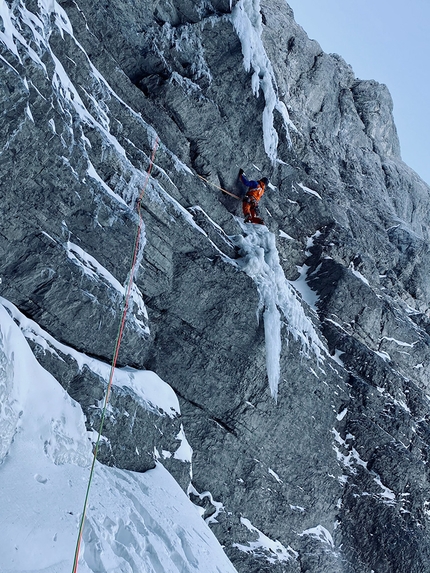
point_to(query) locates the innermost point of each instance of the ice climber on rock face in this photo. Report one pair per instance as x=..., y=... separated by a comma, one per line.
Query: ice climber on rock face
x=252, y=197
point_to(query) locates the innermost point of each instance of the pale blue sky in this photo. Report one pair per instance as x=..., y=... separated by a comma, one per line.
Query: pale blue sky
x=387, y=41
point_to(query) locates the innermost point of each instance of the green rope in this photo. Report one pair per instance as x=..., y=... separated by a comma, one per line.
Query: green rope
x=115, y=357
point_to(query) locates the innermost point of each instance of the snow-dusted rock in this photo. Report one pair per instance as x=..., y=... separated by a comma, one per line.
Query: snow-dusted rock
x=326, y=310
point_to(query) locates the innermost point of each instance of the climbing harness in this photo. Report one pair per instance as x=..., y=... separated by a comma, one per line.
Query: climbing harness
x=116, y=352
x=220, y=188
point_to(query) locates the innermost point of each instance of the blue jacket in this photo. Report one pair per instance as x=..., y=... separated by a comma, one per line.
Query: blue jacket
x=249, y=183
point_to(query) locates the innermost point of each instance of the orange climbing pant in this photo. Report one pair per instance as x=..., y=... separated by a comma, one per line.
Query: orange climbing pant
x=250, y=210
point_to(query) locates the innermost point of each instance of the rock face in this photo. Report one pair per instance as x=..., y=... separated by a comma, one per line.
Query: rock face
x=332, y=476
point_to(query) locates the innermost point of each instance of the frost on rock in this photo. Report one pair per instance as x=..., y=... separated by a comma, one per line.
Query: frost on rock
x=247, y=22
x=278, y=300
x=186, y=39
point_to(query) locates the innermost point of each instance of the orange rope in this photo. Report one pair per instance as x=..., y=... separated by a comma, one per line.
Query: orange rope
x=116, y=353
x=220, y=188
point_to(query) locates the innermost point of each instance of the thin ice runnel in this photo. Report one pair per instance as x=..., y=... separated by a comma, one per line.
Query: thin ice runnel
x=247, y=22
x=278, y=300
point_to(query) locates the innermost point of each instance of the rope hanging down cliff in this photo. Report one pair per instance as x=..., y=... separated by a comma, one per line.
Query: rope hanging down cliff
x=116, y=352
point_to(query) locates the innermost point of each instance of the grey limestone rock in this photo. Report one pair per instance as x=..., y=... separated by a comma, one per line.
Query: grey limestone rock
x=333, y=476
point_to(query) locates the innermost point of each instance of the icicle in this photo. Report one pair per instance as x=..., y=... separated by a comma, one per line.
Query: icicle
x=278, y=299
x=247, y=21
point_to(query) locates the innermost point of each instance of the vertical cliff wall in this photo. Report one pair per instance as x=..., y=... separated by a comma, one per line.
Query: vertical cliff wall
x=299, y=351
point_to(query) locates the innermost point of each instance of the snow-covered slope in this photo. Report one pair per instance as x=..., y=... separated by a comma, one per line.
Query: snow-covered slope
x=280, y=374
x=135, y=522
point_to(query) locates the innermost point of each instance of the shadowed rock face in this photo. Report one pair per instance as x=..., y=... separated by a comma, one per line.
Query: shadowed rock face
x=336, y=469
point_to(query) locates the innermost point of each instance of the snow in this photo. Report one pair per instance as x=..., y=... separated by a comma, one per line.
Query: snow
x=360, y=276
x=384, y=355
x=350, y=459
x=220, y=231
x=321, y=533
x=286, y=236
x=135, y=522
x=94, y=175
x=342, y=414
x=399, y=342
x=247, y=22
x=337, y=355
x=387, y=493
x=10, y=33
x=91, y=267
x=309, y=191
x=278, y=300
x=297, y=508
x=275, y=475
x=148, y=388
x=95, y=271
x=219, y=507
x=264, y=547
x=301, y=285
x=185, y=451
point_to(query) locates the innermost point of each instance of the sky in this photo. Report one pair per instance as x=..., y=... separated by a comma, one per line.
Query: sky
x=387, y=41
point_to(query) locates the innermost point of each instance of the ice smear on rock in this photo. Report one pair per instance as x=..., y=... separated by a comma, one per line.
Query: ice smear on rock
x=135, y=522
x=278, y=300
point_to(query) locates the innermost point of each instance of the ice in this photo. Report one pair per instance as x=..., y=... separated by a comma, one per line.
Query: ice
x=135, y=522
x=278, y=300
x=190, y=41
x=247, y=22
x=186, y=84
x=264, y=547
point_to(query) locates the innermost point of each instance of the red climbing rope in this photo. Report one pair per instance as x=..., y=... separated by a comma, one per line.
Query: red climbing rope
x=116, y=353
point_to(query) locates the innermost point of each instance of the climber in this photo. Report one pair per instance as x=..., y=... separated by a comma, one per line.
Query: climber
x=252, y=197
